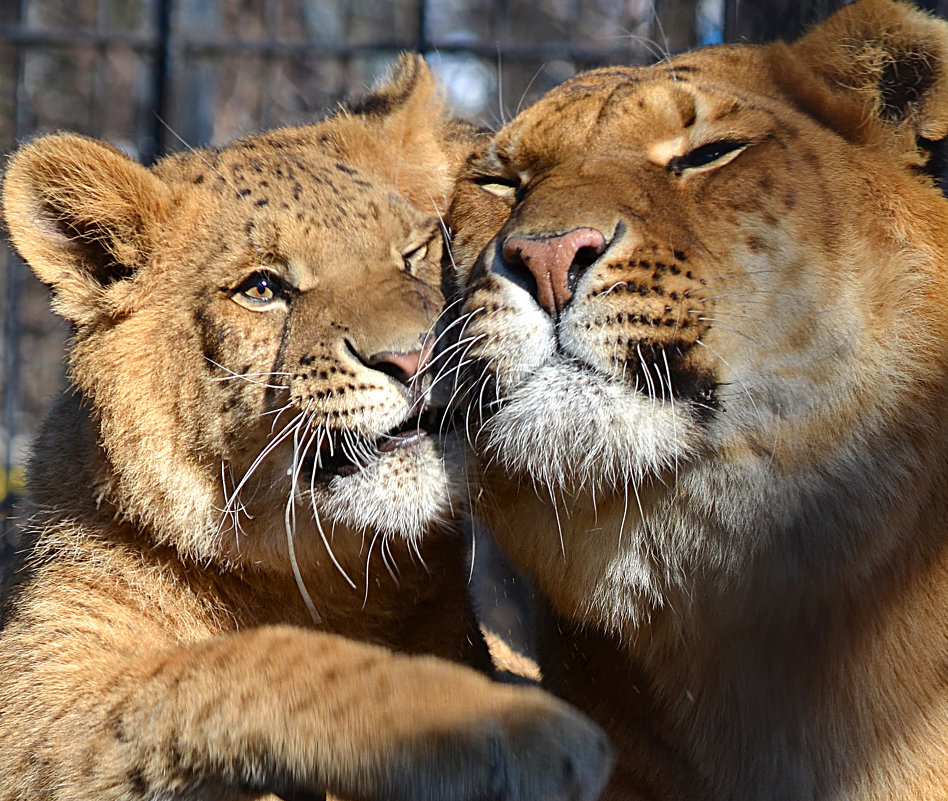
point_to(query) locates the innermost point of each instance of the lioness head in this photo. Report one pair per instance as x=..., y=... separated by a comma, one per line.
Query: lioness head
x=705, y=309
x=252, y=324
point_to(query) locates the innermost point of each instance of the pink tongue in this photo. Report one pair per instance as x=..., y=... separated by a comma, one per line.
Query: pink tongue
x=394, y=441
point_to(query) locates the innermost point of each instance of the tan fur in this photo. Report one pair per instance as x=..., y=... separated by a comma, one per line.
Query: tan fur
x=190, y=620
x=510, y=662
x=719, y=446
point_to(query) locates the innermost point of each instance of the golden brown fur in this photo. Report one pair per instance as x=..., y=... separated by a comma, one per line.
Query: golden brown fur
x=708, y=327
x=236, y=513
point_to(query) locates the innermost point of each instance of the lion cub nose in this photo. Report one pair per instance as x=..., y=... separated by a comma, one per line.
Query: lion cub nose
x=402, y=367
x=556, y=262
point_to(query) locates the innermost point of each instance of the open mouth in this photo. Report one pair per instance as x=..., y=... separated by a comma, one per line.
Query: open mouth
x=346, y=456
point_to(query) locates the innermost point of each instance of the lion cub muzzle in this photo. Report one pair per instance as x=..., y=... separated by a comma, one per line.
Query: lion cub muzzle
x=403, y=367
x=408, y=370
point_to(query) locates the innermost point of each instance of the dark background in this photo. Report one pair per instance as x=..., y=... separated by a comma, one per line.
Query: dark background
x=153, y=76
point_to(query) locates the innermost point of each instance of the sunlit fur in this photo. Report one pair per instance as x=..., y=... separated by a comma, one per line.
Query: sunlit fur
x=435, y=495
x=721, y=456
x=242, y=554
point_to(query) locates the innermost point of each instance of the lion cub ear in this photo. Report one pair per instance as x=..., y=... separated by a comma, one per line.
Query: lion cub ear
x=84, y=216
x=881, y=75
x=402, y=131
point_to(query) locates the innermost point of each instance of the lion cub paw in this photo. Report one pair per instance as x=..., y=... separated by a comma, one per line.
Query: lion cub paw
x=538, y=750
x=559, y=755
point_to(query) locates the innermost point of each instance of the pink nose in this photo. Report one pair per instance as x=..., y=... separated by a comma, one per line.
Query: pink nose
x=401, y=366
x=553, y=260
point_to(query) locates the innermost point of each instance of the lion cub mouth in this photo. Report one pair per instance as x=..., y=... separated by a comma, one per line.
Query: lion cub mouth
x=346, y=456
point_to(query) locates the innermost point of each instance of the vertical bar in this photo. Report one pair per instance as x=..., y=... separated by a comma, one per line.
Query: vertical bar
x=191, y=113
x=732, y=8
x=157, y=145
x=271, y=31
x=677, y=26
x=22, y=126
x=345, y=61
x=423, y=44
x=99, y=71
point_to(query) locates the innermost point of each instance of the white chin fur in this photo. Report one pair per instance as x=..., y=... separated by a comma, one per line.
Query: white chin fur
x=402, y=494
x=568, y=429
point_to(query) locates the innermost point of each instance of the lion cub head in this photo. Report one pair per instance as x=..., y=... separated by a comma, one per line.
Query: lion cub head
x=252, y=327
x=706, y=309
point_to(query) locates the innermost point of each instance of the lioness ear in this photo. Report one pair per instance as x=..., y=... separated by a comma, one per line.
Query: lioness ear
x=402, y=131
x=83, y=215
x=879, y=69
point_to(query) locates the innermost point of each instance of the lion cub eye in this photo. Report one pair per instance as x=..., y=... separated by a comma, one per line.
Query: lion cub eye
x=715, y=154
x=259, y=291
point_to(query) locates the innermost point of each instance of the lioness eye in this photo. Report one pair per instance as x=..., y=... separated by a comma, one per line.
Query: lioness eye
x=412, y=258
x=260, y=289
x=706, y=156
x=501, y=186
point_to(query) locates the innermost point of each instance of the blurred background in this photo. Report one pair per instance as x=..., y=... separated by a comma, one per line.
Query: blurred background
x=154, y=76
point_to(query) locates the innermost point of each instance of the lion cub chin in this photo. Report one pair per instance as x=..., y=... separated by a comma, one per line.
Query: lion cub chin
x=240, y=509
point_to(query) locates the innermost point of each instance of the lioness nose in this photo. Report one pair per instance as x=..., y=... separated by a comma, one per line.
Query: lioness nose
x=555, y=262
x=402, y=367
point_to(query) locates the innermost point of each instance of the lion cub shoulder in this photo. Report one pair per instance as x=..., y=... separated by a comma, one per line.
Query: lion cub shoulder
x=242, y=507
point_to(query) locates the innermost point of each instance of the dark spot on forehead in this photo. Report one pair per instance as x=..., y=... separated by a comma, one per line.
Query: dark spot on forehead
x=757, y=244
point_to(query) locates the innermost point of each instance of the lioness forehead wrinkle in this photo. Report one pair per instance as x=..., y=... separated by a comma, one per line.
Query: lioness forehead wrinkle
x=704, y=380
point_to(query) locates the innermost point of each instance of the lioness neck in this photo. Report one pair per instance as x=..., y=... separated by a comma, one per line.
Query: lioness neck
x=742, y=660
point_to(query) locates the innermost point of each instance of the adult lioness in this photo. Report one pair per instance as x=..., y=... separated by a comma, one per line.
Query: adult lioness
x=708, y=320
x=241, y=484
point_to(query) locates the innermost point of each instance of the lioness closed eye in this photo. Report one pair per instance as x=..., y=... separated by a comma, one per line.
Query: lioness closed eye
x=241, y=499
x=708, y=343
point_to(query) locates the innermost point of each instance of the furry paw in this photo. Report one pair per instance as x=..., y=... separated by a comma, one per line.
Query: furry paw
x=537, y=750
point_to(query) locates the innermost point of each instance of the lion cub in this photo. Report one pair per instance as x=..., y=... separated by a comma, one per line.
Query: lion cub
x=241, y=499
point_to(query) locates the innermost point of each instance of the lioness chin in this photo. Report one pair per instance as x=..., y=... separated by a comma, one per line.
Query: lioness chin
x=707, y=344
x=240, y=508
